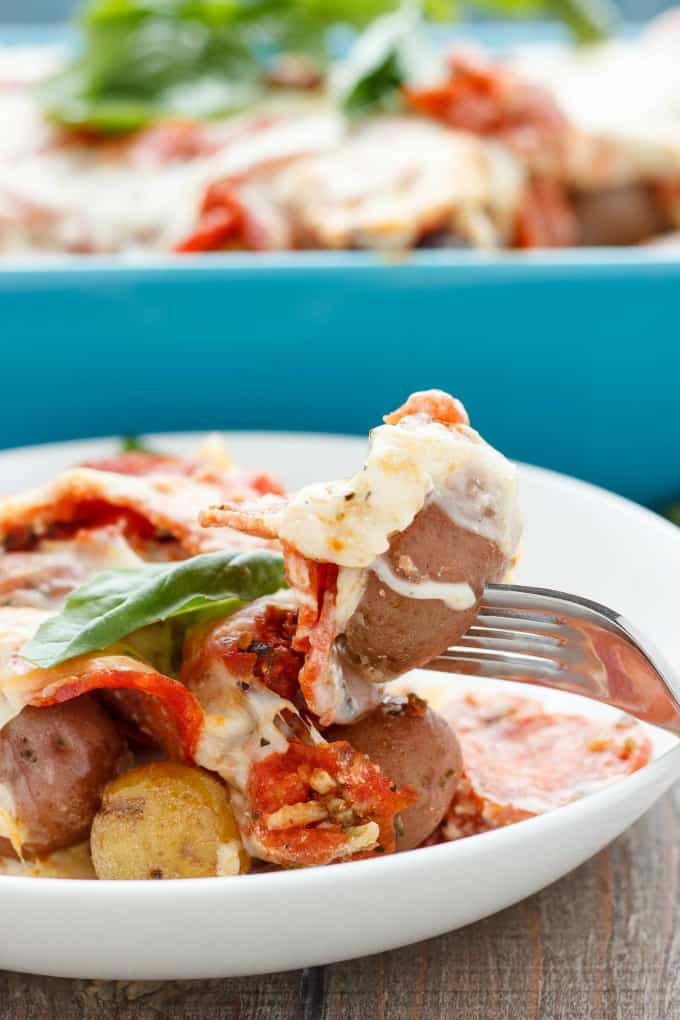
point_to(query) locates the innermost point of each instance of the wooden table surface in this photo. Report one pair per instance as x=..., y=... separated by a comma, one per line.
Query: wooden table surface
x=604, y=942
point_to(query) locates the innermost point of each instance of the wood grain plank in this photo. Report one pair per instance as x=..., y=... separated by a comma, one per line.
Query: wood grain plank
x=601, y=944
x=24, y=997
x=313, y=993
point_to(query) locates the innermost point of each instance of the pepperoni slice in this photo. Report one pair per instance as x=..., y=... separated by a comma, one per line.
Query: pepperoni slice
x=521, y=761
x=486, y=98
x=139, y=462
x=546, y=218
x=162, y=707
x=434, y=404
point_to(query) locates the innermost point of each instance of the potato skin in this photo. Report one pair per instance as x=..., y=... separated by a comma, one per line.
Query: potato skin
x=164, y=820
x=56, y=761
x=412, y=745
x=389, y=633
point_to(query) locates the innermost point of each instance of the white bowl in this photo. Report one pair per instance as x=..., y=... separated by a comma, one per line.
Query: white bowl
x=577, y=538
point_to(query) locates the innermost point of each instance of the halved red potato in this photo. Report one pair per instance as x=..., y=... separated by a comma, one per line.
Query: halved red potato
x=414, y=747
x=390, y=631
x=393, y=180
x=54, y=764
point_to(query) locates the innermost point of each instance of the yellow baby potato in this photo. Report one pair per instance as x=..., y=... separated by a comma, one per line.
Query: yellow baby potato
x=166, y=820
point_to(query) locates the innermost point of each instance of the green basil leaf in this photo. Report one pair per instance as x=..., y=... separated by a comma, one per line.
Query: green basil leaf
x=376, y=91
x=140, y=61
x=672, y=512
x=392, y=51
x=143, y=60
x=117, y=602
x=134, y=444
x=66, y=99
x=588, y=20
x=383, y=58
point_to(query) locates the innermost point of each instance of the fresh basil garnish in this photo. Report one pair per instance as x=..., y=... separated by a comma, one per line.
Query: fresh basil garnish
x=118, y=602
x=135, y=444
x=139, y=61
x=143, y=60
x=392, y=51
x=672, y=512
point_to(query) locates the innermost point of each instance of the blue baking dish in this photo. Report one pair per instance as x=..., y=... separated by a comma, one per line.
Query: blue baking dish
x=568, y=360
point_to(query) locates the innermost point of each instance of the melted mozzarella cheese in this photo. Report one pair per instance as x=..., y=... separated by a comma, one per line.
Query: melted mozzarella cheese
x=623, y=99
x=73, y=862
x=19, y=679
x=304, y=176
x=169, y=501
x=456, y=595
x=349, y=522
x=39, y=582
x=24, y=131
x=344, y=696
x=77, y=197
x=67, y=200
x=9, y=827
x=397, y=178
x=239, y=729
x=43, y=577
x=243, y=723
x=351, y=585
x=24, y=66
x=229, y=858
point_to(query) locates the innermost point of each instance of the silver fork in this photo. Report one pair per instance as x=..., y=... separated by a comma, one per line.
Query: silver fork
x=549, y=638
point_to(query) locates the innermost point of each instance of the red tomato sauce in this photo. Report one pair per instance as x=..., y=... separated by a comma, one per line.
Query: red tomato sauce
x=360, y=793
x=520, y=760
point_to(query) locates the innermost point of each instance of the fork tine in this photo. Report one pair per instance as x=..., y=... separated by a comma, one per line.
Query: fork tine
x=511, y=640
x=516, y=646
x=500, y=666
x=501, y=655
x=542, y=601
x=549, y=638
x=495, y=617
x=518, y=615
